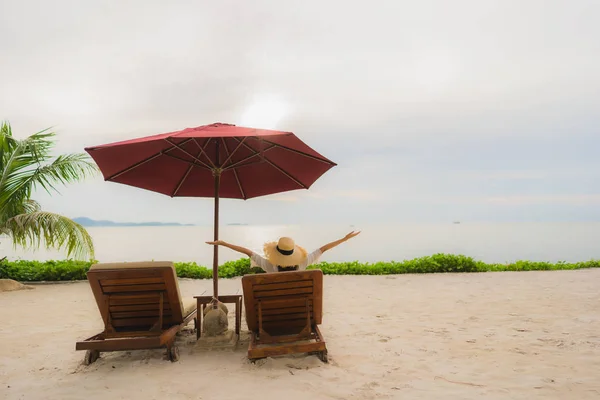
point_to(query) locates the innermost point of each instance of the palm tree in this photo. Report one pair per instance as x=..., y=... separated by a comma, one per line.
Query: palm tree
x=27, y=165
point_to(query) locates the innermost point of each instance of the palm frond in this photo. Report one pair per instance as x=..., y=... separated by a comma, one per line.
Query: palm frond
x=18, y=154
x=27, y=165
x=30, y=206
x=59, y=232
x=19, y=183
x=7, y=142
x=64, y=169
x=25, y=207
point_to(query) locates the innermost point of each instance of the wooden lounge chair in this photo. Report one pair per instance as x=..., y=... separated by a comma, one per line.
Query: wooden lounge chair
x=283, y=311
x=141, y=307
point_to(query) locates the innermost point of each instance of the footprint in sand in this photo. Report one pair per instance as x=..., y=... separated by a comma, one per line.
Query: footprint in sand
x=517, y=350
x=405, y=386
x=521, y=330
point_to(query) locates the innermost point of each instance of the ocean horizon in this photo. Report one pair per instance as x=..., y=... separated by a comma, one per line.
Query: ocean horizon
x=489, y=242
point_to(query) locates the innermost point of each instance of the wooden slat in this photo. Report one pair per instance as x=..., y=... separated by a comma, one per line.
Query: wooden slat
x=285, y=333
x=270, y=351
x=134, y=288
x=122, y=344
x=131, y=300
x=287, y=310
x=283, y=292
x=284, y=324
x=318, y=297
x=285, y=317
x=136, y=322
x=139, y=307
x=282, y=301
x=134, y=314
x=131, y=332
x=294, y=297
x=284, y=285
x=100, y=275
x=118, y=291
x=298, y=301
x=278, y=277
x=289, y=336
x=131, y=281
x=223, y=298
x=174, y=299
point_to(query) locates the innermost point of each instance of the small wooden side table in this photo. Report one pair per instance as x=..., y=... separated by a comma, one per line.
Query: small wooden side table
x=203, y=301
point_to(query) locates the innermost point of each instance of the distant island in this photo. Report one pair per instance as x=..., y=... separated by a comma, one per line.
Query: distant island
x=84, y=221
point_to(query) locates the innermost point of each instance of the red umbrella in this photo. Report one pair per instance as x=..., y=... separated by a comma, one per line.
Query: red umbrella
x=218, y=160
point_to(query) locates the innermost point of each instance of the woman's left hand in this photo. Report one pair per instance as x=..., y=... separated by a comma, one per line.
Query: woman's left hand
x=351, y=235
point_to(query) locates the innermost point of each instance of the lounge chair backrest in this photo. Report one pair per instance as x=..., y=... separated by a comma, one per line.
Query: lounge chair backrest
x=283, y=298
x=129, y=293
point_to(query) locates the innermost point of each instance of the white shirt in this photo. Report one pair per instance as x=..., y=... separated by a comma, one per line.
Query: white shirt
x=256, y=260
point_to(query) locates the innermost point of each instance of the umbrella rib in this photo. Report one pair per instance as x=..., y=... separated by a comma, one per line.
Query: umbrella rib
x=189, y=162
x=190, y=154
x=142, y=162
x=300, y=152
x=205, y=143
x=237, y=179
x=134, y=166
x=285, y=173
x=274, y=165
x=256, y=154
x=182, y=180
x=229, y=155
x=245, y=165
x=234, y=165
x=203, y=152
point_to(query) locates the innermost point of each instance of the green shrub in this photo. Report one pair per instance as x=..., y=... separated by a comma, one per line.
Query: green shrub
x=431, y=264
x=240, y=267
x=230, y=269
x=192, y=270
x=70, y=270
x=63, y=270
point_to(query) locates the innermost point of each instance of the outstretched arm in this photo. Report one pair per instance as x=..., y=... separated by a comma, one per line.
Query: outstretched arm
x=331, y=245
x=239, y=249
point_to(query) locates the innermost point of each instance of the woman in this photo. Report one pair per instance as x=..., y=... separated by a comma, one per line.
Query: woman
x=284, y=255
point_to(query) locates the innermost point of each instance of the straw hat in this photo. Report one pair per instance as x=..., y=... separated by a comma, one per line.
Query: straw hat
x=285, y=252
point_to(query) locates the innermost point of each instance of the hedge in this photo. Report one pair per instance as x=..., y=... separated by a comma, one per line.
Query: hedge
x=71, y=270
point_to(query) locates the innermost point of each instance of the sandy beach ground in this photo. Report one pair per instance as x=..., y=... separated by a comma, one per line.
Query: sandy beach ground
x=515, y=335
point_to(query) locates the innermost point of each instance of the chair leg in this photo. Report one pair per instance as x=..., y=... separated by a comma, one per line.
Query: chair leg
x=172, y=351
x=323, y=356
x=238, y=315
x=91, y=356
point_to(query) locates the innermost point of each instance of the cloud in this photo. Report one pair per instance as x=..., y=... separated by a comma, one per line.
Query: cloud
x=284, y=198
x=569, y=200
x=422, y=104
x=362, y=195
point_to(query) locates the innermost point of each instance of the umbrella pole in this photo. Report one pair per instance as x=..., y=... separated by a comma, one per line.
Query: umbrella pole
x=216, y=237
x=217, y=175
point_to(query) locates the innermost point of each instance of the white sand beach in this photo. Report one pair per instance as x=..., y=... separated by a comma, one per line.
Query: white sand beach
x=517, y=335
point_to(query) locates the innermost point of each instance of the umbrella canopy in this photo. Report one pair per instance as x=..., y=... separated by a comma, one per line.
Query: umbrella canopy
x=217, y=160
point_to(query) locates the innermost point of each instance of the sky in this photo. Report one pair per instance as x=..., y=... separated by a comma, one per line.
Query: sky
x=435, y=111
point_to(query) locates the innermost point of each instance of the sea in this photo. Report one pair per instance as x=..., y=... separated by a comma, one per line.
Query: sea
x=489, y=242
